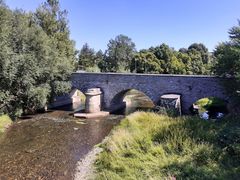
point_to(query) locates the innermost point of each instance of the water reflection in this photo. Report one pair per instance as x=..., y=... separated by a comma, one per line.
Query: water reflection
x=77, y=106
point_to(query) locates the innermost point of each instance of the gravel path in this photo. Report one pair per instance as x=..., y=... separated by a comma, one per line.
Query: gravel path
x=85, y=167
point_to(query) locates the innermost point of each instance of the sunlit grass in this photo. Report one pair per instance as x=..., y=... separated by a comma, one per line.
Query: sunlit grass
x=5, y=121
x=150, y=146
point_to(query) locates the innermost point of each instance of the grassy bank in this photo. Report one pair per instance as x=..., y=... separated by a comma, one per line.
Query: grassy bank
x=5, y=121
x=150, y=146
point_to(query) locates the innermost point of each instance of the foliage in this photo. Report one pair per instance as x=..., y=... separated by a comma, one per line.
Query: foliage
x=228, y=63
x=88, y=59
x=35, y=54
x=150, y=146
x=184, y=61
x=118, y=55
x=163, y=59
x=228, y=60
x=170, y=64
x=121, y=56
x=145, y=62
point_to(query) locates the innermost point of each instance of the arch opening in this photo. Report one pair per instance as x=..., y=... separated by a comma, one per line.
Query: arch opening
x=130, y=100
x=169, y=103
x=78, y=99
x=73, y=101
x=209, y=108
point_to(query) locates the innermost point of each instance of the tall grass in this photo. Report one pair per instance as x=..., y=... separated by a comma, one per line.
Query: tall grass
x=150, y=146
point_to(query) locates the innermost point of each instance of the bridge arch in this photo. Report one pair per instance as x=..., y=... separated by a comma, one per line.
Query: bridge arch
x=77, y=99
x=212, y=105
x=195, y=99
x=171, y=101
x=130, y=97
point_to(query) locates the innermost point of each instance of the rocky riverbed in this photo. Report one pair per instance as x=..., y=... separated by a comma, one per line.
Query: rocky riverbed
x=51, y=145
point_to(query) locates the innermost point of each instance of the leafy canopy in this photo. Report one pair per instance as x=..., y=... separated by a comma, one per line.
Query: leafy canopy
x=36, y=57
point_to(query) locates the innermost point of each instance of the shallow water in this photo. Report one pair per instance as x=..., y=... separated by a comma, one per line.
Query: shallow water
x=47, y=146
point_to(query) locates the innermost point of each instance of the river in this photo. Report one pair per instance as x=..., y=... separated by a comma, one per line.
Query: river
x=48, y=146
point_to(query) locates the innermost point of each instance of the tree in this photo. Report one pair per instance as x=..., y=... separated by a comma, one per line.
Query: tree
x=146, y=62
x=53, y=21
x=34, y=64
x=171, y=64
x=88, y=60
x=197, y=65
x=99, y=56
x=119, y=54
x=86, y=57
x=176, y=66
x=234, y=34
x=228, y=60
x=201, y=48
x=99, y=60
x=201, y=59
x=228, y=54
x=22, y=61
x=186, y=60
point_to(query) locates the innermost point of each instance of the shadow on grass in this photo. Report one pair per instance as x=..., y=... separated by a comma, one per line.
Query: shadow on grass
x=214, y=148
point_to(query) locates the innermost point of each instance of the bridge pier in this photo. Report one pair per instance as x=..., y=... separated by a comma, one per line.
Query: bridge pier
x=93, y=100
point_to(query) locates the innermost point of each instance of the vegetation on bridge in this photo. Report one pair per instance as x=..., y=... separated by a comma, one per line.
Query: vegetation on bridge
x=151, y=146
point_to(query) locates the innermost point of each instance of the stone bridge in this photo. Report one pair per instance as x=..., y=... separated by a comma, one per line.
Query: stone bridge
x=115, y=85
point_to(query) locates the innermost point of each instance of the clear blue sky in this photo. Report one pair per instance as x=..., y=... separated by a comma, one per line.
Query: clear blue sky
x=177, y=23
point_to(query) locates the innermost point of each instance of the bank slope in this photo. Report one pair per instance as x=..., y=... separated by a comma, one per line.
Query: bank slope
x=151, y=146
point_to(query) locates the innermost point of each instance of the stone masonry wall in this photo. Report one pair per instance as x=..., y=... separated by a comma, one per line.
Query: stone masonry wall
x=190, y=87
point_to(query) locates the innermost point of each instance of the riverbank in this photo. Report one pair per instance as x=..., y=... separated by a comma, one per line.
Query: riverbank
x=85, y=169
x=151, y=146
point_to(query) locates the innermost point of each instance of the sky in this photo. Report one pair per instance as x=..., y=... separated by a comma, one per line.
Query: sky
x=178, y=23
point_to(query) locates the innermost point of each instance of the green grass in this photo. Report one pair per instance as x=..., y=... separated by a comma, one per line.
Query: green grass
x=5, y=121
x=151, y=146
